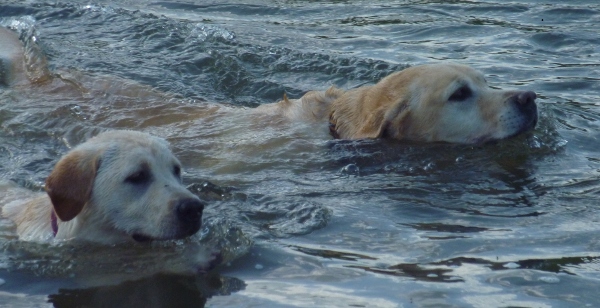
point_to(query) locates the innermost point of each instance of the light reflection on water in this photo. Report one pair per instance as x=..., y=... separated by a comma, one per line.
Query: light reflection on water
x=511, y=223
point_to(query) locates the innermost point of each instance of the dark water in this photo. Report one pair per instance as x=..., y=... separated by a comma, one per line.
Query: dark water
x=334, y=223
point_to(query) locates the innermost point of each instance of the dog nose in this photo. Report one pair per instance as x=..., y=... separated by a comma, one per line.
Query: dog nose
x=526, y=98
x=189, y=211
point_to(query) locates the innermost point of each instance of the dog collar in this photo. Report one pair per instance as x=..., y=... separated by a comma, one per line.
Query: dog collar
x=54, y=222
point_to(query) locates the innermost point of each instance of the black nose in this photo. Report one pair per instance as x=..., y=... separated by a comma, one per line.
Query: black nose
x=189, y=211
x=525, y=103
x=526, y=97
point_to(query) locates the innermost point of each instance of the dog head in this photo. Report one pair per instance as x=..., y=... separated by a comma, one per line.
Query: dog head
x=123, y=185
x=437, y=102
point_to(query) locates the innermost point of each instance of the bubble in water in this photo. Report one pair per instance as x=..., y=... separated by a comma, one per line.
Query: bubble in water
x=388, y=168
x=429, y=167
x=350, y=169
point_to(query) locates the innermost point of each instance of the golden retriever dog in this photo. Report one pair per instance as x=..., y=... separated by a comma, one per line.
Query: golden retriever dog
x=117, y=187
x=444, y=102
x=436, y=102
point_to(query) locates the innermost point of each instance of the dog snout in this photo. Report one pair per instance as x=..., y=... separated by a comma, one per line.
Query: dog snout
x=189, y=211
x=525, y=104
x=526, y=98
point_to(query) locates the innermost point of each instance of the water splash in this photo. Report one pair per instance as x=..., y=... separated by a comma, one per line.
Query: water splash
x=36, y=65
x=206, y=32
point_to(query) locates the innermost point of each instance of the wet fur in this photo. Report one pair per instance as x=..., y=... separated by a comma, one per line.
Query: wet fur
x=89, y=192
x=414, y=104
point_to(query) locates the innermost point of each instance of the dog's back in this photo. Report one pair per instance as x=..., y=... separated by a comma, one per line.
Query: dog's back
x=314, y=106
x=11, y=58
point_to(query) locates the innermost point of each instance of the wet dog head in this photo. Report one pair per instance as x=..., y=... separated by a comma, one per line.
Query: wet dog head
x=122, y=185
x=438, y=102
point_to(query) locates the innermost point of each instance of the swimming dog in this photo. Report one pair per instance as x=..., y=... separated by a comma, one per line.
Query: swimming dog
x=117, y=187
x=428, y=103
x=445, y=102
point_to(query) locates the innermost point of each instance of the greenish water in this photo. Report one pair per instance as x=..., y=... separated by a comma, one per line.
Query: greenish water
x=418, y=225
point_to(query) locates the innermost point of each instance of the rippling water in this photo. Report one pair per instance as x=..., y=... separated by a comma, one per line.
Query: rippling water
x=333, y=223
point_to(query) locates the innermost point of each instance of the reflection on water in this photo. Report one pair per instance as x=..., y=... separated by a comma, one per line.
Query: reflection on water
x=442, y=271
x=155, y=291
x=333, y=222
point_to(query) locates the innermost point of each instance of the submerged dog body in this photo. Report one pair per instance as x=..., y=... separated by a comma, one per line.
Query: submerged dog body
x=436, y=102
x=118, y=186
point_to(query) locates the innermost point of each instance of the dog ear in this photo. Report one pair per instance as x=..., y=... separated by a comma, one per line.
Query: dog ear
x=395, y=121
x=70, y=183
x=383, y=122
x=375, y=125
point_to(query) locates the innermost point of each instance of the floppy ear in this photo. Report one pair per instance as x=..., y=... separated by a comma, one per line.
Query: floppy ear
x=70, y=183
x=395, y=121
x=374, y=126
x=384, y=122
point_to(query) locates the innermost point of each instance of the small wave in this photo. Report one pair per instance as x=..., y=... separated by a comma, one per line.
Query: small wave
x=19, y=24
x=263, y=216
x=210, y=32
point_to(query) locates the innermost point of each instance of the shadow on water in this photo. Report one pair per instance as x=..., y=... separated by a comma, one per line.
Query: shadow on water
x=161, y=290
x=498, y=179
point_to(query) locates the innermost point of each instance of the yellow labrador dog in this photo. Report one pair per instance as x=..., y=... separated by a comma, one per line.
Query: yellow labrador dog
x=118, y=186
x=437, y=102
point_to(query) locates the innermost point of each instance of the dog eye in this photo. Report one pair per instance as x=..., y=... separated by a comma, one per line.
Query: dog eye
x=461, y=94
x=177, y=171
x=139, y=177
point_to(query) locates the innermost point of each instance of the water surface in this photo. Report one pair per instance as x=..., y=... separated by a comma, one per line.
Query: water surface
x=333, y=223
